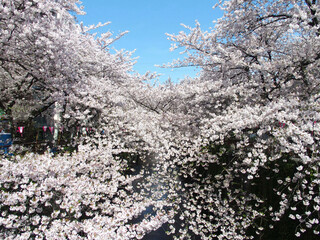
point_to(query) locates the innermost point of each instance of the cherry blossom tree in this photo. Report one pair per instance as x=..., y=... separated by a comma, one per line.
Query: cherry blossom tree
x=47, y=58
x=34, y=52
x=240, y=144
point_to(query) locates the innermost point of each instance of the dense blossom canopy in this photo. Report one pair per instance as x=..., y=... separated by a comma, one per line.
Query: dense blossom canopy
x=230, y=154
x=245, y=143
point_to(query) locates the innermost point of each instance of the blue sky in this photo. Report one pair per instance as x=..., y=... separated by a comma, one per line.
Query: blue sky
x=148, y=21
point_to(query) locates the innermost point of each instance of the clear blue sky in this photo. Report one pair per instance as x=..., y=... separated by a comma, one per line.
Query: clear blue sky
x=147, y=22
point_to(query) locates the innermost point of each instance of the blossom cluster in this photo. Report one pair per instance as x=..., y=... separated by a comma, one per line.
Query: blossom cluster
x=83, y=195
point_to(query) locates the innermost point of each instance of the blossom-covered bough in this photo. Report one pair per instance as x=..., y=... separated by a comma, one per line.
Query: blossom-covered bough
x=83, y=195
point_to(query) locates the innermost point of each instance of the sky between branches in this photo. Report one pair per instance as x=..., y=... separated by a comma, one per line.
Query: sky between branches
x=147, y=22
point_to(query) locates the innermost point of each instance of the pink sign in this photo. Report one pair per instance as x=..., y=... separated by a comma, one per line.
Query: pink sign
x=51, y=129
x=20, y=130
x=44, y=128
